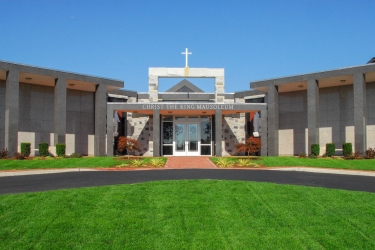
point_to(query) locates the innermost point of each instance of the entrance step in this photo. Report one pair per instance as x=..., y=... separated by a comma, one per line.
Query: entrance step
x=189, y=162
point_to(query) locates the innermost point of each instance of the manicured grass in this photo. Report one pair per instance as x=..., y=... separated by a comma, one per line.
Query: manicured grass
x=196, y=214
x=88, y=162
x=291, y=161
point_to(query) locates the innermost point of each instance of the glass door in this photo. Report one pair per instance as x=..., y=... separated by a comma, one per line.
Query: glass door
x=180, y=139
x=192, y=142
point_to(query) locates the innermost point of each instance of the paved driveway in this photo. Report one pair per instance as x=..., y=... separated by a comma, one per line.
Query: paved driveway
x=43, y=182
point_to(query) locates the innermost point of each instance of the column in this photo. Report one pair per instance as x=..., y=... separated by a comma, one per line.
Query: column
x=156, y=132
x=219, y=89
x=312, y=113
x=11, y=111
x=100, y=120
x=110, y=139
x=59, y=120
x=273, y=120
x=218, y=132
x=263, y=132
x=359, y=113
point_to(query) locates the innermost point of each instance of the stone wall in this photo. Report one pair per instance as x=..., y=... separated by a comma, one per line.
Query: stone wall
x=2, y=115
x=80, y=122
x=140, y=128
x=233, y=127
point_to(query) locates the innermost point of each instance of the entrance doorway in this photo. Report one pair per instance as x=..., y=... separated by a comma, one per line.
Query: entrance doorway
x=186, y=135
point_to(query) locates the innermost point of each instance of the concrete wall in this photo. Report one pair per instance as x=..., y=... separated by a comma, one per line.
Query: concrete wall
x=292, y=122
x=36, y=114
x=336, y=117
x=2, y=115
x=36, y=118
x=80, y=122
x=370, y=115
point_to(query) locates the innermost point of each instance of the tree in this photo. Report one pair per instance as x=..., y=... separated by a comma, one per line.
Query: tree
x=251, y=145
x=128, y=144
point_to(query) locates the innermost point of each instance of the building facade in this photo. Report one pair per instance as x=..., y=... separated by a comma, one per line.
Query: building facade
x=89, y=113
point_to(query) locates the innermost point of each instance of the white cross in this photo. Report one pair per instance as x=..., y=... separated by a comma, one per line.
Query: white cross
x=187, y=54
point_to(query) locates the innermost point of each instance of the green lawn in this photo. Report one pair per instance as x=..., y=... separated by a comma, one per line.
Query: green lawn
x=87, y=162
x=285, y=161
x=196, y=214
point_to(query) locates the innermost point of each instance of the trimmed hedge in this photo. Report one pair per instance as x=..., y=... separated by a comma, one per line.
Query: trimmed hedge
x=60, y=149
x=43, y=149
x=330, y=149
x=315, y=149
x=347, y=149
x=25, y=148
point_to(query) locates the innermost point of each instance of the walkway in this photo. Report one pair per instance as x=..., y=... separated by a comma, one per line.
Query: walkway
x=177, y=162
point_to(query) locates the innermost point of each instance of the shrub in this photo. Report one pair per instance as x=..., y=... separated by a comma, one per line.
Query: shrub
x=25, y=148
x=75, y=155
x=243, y=162
x=60, y=149
x=156, y=162
x=352, y=156
x=347, y=149
x=43, y=149
x=330, y=149
x=252, y=145
x=313, y=156
x=137, y=163
x=4, y=154
x=19, y=156
x=370, y=153
x=127, y=144
x=223, y=163
x=315, y=149
x=302, y=155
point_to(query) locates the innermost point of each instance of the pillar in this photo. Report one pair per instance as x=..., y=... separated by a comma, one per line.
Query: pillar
x=110, y=139
x=156, y=132
x=11, y=111
x=100, y=120
x=273, y=120
x=263, y=132
x=312, y=113
x=218, y=132
x=359, y=112
x=59, y=120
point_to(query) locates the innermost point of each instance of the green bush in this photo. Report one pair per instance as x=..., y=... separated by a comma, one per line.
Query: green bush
x=43, y=149
x=25, y=148
x=347, y=149
x=315, y=149
x=60, y=149
x=330, y=149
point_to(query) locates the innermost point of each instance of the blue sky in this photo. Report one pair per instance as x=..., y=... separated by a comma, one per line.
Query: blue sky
x=251, y=40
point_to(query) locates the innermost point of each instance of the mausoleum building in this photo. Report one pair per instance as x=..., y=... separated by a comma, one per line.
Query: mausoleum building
x=89, y=113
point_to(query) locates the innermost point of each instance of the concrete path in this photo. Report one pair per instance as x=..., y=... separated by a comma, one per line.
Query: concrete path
x=326, y=171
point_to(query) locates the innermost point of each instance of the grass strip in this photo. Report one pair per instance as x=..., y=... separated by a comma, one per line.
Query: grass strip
x=194, y=214
x=291, y=161
x=87, y=162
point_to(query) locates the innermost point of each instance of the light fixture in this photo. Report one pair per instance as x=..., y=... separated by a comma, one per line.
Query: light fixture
x=71, y=84
x=342, y=80
x=28, y=78
x=300, y=86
